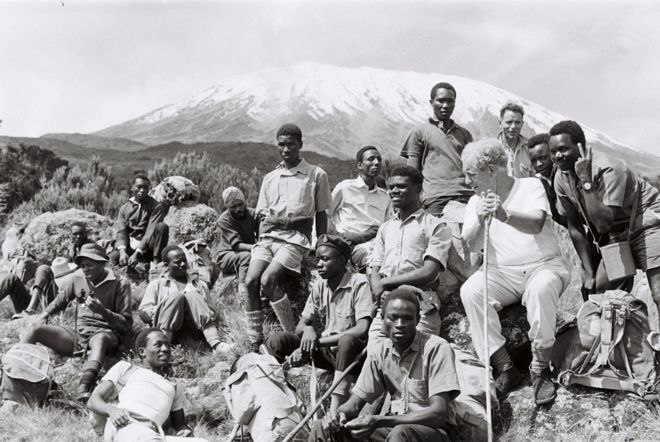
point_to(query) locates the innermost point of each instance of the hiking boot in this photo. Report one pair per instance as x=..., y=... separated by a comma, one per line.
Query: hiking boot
x=507, y=381
x=545, y=391
x=83, y=393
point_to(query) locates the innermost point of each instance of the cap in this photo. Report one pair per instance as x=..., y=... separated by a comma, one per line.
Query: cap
x=336, y=243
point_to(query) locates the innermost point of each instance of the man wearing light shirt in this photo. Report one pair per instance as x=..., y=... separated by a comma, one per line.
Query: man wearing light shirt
x=513, y=142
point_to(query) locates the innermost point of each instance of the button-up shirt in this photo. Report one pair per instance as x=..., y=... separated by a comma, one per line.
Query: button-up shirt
x=402, y=246
x=340, y=309
x=302, y=190
x=518, y=163
x=138, y=220
x=164, y=287
x=355, y=207
x=424, y=369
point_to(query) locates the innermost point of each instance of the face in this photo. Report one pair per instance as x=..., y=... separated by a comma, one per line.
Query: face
x=93, y=270
x=331, y=262
x=157, y=352
x=237, y=209
x=443, y=104
x=400, y=320
x=371, y=163
x=289, y=147
x=402, y=191
x=140, y=189
x=563, y=151
x=480, y=179
x=511, y=123
x=539, y=155
x=177, y=265
x=79, y=235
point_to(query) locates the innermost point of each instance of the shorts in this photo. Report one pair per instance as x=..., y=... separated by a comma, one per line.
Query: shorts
x=288, y=255
x=85, y=333
x=645, y=246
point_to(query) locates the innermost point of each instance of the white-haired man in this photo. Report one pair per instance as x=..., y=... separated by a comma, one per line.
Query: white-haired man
x=524, y=259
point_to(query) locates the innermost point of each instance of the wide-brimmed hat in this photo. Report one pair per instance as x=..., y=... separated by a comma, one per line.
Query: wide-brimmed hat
x=62, y=267
x=92, y=251
x=336, y=243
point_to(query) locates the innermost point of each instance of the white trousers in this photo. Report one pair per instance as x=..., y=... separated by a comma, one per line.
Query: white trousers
x=537, y=285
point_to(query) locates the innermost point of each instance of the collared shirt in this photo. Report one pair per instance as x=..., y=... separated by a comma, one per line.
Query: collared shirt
x=235, y=231
x=302, y=190
x=518, y=163
x=340, y=309
x=114, y=293
x=401, y=246
x=424, y=369
x=355, y=207
x=164, y=287
x=137, y=220
x=440, y=154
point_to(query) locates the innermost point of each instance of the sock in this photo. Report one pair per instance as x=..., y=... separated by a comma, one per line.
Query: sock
x=90, y=373
x=500, y=360
x=282, y=309
x=540, y=359
x=212, y=335
x=255, y=326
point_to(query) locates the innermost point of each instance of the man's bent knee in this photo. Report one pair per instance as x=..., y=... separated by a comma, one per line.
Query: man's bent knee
x=162, y=228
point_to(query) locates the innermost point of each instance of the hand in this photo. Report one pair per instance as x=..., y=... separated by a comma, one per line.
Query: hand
x=362, y=427
x=123, y=257
x=119, y=417
x=493, y=205
x=583, y=164
x=133, y=259
x=277, y=221
x=588, y=280
x=482, y=211
x=333, y=421
x=94, y=305
x=296, y=357
x=186, y=432
x=377, y=290
x=351, y=238
x=308, y=342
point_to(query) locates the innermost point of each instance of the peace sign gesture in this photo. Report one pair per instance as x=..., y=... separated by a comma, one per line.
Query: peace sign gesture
x=583, y=164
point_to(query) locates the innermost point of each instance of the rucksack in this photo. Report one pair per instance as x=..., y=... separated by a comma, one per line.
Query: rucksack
x=615, y=355
x=199, y=260
x=24, y=265
x=27, y=375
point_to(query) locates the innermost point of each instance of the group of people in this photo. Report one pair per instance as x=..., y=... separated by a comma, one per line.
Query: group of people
x=380, y=253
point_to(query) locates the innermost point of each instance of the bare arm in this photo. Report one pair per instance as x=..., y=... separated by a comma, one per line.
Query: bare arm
x=418, y=278
x=360, y=330
x=415, y=162
x=99, y=403
x=321, y=223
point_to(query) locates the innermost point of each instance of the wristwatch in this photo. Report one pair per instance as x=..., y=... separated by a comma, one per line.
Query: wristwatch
x=587, y=186
x=506, y=216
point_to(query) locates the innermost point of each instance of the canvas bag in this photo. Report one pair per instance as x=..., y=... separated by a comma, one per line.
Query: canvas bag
x=615, y=354
x=24, y=265
x=27, y=374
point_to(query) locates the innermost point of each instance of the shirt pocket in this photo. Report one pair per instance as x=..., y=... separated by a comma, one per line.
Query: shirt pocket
x=377, y=210
x=344, y=319
x=299, y=193
x=418, y=392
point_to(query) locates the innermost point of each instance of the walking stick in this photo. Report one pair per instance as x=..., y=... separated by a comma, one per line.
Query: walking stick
x=489, y=419
x=289, y=437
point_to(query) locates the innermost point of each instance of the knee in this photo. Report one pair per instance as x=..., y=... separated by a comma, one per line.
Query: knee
x=43, y=272
x=470, y=293
x=268, y=281
x=31, y=334
x=348, y=341
x=399, y=433
x=9, y=281
x=162, y=228
x=252, y=281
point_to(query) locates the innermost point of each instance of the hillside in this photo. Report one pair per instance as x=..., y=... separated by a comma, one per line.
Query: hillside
x=97, y=142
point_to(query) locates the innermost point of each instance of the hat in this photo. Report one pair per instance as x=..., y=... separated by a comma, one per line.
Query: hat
x=62, y=267
x=231, y=194
x=92, y=251
x=336, y=243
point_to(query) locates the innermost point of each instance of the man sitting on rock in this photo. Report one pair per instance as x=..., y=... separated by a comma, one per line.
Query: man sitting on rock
x=239, y=232
x=292, y=198
x=409, y=249
x=524, y=264
x=141, y=233
x=539, y=156
x=341, y=301
x=79, y=238
x=418, y=371
x=137, y=400
x=173, y=298
x=359, y=206
x=103, y=315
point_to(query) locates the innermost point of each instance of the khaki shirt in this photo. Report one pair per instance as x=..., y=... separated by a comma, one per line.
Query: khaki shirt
x=518, y=165
x=355, y=208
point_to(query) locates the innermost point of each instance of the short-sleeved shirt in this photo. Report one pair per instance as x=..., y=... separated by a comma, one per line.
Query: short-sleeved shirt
x=616, y=186
x=302, y=190
x=235, y=231
x=424, y=369
x=145, y=393
x=509, y=246
x=518, y=163
x=401, y=246
x=440, y=155
x=355, y=207
x=165, y=287
x=340, y=309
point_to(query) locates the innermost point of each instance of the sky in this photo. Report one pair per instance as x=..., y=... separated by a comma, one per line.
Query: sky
x=83, y=65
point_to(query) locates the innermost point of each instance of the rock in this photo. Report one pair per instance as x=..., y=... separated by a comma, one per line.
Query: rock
x=191, y=221
x=49, y=234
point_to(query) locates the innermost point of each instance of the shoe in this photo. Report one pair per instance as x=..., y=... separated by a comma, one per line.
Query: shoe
x=83, y=393
x=545, y=390
x=223, y=347
x=507, y=381
x=24, y=314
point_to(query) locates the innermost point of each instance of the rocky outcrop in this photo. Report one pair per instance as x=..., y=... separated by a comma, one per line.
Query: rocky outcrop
x=191, y=221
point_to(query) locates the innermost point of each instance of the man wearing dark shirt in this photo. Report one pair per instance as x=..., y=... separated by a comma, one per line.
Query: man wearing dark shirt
x=541, y=161
x=79, y=237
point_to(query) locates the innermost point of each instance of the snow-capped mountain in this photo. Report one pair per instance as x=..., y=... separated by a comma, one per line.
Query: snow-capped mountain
x=339, y=109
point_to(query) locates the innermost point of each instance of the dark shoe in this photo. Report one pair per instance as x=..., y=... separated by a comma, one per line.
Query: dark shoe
x=83, y=393
x=545, y=391
x=507, y=381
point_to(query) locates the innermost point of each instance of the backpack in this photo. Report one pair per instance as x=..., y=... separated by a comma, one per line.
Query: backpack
x=614, y=352
x=24, y=265
x=259, y=396
x=27, y=375
x=199, y=260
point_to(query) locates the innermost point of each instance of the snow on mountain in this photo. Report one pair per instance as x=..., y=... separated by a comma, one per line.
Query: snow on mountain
x=339, y=109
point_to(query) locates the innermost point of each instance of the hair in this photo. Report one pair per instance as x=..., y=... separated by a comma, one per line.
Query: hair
x=141, y=338
x=442, y=85
x=403, y=294
x=80, y=224
x=291, y=130
x=570, y=128
x=513, y=107
x=408, y=171
x=140, y=175
x=538, y=139
x=166, y=251
x=360, y=153
x=487, y=151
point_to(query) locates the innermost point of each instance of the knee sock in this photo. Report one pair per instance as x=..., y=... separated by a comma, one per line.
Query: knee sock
x=90, y=372
x=255, y=326
x=212, y=335
x=540, y=359
x=501, y=361
x=282, y=309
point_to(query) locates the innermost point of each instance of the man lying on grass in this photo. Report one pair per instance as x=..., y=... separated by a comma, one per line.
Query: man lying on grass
x=146, y=395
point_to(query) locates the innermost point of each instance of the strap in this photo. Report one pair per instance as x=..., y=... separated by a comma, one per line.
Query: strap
x=569, y=377
x=633, y=213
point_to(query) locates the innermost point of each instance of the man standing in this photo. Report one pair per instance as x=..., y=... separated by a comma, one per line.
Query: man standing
x=539, y=157
x=340, y=301
x=293, y=197
x=434, y=148
x=417, y=370
x=515, y=145
x=605, y=194
x=359, y=206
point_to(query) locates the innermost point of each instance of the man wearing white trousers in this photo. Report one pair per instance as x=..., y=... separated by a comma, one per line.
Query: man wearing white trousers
x=524, y=264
